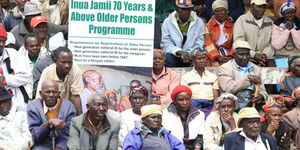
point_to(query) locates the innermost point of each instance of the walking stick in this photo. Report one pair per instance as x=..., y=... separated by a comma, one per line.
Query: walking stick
x=53, y=135
x=256, y=92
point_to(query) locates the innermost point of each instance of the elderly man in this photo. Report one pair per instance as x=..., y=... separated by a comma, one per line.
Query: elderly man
x=49, y=118
x=15, y=16
x=150, y=134
x=95, y=129
x=291, y=80
x=14, y=133
x=241, y=77
x=182, y=32
x=93, y=83
x=68, y=77
x=256, y=29
x=250, y=137
x=13, y=72
x=218, y=36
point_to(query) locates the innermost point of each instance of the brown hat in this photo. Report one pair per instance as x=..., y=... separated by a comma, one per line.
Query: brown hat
x=184, y=3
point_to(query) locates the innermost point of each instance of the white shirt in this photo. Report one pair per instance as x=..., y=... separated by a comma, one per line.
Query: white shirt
x=127, y=123
x=253, y=145
x=223, y=37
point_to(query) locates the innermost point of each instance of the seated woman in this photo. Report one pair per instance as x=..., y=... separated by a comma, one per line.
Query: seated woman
x=220, y=122
x=290, y=80
x=285, y=34
x=164, y=79
x=150, y=134
x=184, y=120
x=273, y=125
x=112, y=100
x=218, y=38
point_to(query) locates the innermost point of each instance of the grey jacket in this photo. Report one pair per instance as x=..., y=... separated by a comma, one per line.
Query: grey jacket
x=79, y=135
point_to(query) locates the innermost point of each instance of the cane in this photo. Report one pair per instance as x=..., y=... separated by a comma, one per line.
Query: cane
x=256, y=92
x=53, y=134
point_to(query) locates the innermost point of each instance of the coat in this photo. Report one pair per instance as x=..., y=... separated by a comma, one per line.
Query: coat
x=234, y=141
x=79, y=135
x=213, y=130
x=36, y=119
x=12, y=19
x=171, y=41
x=292, y=118
x=133, y=140
x=259, y=38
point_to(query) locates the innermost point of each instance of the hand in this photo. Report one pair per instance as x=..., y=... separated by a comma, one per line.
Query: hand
x=228, y=119
x=261, y=58
x=184, y=56
x=273, y=126
x=57, y=123
x=254, y=79
x=257, y=99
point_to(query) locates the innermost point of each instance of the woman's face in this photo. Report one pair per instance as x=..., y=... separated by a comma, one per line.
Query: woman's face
x=137, y=100
x=226, y=106
x=182, y=101
x=289, y=14
x=275, y=114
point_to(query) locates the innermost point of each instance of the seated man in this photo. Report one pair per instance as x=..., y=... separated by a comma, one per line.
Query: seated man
x=49, y=118
x=184, y=120
x=95, y=129
x=256, y=29
x=291, y=80
x=164, y=79
x=202, y=82
x=220, y=122
x=68, y=77
x=241, y=77
x=218, y=36
x=250, y=137
x=150, y=134
x=14, y=132
x=182, y=32
x=285, y=34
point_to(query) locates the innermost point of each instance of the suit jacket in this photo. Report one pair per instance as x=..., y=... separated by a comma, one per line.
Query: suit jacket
x=234, y=141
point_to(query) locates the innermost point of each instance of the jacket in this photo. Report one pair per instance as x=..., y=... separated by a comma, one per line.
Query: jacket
x=259, y=38
x=59, y=15
x=41, y=135
x=133, y=140
x=79, y=135
x=12, y=19
x=172, y=38
x=213, y=130
x=292, y=118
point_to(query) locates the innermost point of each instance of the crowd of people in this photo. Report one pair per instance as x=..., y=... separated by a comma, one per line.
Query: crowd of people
x=47, y=102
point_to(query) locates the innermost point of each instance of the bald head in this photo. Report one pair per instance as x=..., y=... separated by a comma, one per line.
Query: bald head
x=48, y=83
x=49, y=92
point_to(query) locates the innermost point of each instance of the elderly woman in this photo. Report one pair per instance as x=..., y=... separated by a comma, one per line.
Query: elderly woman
x=218, y=38
x=112, y=100
x=290, y=80
x=183, y=119
x=138, y=97
x=150, y=134
x=292, y=119
x=164, y=79
x=273, y=125
x=220, y=122
x=285, y=34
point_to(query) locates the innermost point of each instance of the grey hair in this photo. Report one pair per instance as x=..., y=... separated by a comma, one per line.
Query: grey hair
x=91, y=98
x=226, y=96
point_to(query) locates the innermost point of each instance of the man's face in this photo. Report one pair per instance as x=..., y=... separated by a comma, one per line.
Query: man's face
x=153, y=122
x=200, y=60
x=4, y=3
x=275, y=114
x=21, y=3
x=50, y=94
x=95, y=82
x=226, y=106
x=242, y=56
x=184, y=14
x=221, y=14
x=289, y=14
x=98, y=108
x=296, y=67
x=5, y=107
x=137, y=100
x=258, y=11
x=182, y=101
x=2, y=44
x=42, y=30
x=64, y=62
x=251, y=127
x=33, y=46
x=158, y=60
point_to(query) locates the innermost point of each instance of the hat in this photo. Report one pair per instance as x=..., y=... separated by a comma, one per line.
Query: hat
x=219, y=4
x=241, y=44
x=287, y=5
x=184, y=3
x=31, y=8
x=150, y=109
x=10, y=39
x=57, y=41
x=3, y=32
x=180, y=88
x=37, y=20
x=247, y=113
x=4, y=95
x=259, y=2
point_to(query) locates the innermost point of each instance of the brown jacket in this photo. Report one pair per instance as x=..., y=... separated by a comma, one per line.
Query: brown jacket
x=292, y=118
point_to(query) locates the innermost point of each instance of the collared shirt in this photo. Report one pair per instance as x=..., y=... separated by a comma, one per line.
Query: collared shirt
x=202, y=87
x=72, y=85
x=253, y=145
x=46, y=108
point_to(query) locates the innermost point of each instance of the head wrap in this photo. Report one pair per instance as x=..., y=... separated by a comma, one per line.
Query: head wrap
x=109, y=92
x=226, y=96
x=287, y=5
x=219, y=4
x=180, y=88
x=197, y=50
x=139, y=89
x=267, y=107
x=147, y=110
x=2, y=32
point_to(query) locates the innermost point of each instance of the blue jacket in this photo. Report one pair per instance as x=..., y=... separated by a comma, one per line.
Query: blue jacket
x=234, y=141
x=133, y=140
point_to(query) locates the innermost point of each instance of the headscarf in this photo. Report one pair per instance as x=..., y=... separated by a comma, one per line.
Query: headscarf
x=147, y=110
x=139, y=89
x=180, y=88
x=287, y=5
x=267, y=108
x=226, y=96
x=109, y=92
